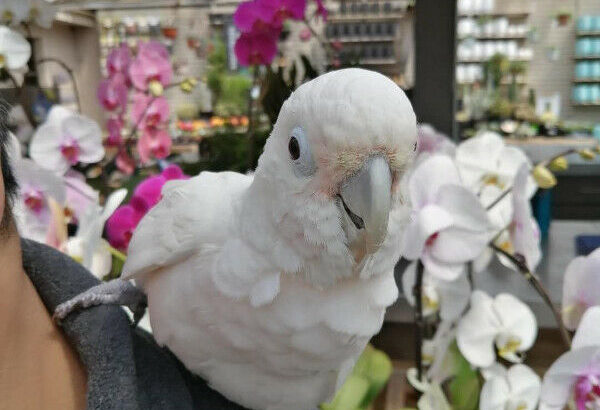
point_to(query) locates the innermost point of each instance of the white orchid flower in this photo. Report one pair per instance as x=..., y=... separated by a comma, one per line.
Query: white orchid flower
x=15, y=50
x=79, y=195
x=36, y=186
x=448, y=225
x=517, y=388
x=576, y=374
x=504, y=323
x=87, y=246
x=435, y=353
x=449, y=297
x=486, y=160
x=581, y=288
x=432, y=397
x=65, y=139
x=430, y=141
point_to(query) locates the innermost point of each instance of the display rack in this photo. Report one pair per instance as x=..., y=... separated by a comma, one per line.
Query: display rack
x=589, y=86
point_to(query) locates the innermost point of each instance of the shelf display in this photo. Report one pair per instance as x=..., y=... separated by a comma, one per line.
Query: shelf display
x=586, y=88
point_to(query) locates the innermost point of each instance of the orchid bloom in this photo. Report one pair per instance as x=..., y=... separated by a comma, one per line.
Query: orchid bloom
x=149, y=111
x=321, y=10
x=503, y=322
x=112, y=93
x=256, y=16
x=125, y=163
x=151, y=65
x=435, y=353
x=15, y=51
x=33, y=11
x=79, y=195
x=12, y=12
x=148, y=193
x=449, y=297
x=431, y=141
x=286, y=9
x=32, y=210
x=581, y=288
x=432, y=395
x=255, y=48
x=118, y=60
x=448, y=226
x=517, y=388
x=576, y=374
x=65, y=139
x=87, y=246
x=120, y=226
x=114, y=127
x=154, y=143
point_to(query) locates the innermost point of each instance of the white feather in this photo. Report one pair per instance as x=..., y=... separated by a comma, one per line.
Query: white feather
x=249, y=279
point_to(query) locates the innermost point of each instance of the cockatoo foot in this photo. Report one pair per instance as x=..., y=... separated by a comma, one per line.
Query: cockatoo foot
x=116, y=292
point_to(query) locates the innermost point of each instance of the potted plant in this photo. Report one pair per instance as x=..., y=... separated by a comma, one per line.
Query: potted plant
x=563, y=17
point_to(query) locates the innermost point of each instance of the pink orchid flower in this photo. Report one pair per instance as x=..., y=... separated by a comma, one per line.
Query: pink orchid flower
x=154, y=143
x=305, y=34
x=120, y=226
x=32, y=210
x=125, y=163
x=576, y=374
x=79, y=195
x=151, y=64
x=149, y=190
x=65, y=139
x=114, y=127
x=448, y=227
x=255, y=48
x=112, y=93
x=581, y=288
x=118, y=60
x=149, y=111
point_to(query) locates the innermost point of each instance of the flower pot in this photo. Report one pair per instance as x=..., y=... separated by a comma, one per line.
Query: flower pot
x=170, y=32
x=563, y=19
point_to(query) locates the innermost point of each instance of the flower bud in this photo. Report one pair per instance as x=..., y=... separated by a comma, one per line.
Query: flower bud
x=587, y=154
x=156, y=88
x=559, y=164
x=543, y=177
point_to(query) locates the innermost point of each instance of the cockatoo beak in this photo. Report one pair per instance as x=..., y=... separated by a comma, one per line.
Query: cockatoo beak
x=367, y=198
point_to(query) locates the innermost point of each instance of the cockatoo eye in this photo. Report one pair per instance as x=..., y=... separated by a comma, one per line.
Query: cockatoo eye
x=300, y=153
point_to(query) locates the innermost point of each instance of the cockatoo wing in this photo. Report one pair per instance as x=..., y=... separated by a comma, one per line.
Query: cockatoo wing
x=191, y=215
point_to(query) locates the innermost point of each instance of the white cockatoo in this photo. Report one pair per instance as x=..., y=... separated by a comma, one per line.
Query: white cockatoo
x=270, y=286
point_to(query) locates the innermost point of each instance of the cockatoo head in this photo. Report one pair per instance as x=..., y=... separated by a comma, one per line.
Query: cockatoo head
x=333, y=165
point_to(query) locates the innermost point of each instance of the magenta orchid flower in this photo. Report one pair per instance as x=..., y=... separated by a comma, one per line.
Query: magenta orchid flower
x=149, y=190
x=149, y=111
x=321, y=10
x=32, y=210
x=118, y=60
x=151, y=64
x=153, y=143
x=286, y=9
x=120, y=226
x=448, y=226
x=112, y=93
x=581, y=288
x=114, y=127
x=172, y=172
x=65, y=139
x=576, y=374
x=255, y=16
x=255, y=48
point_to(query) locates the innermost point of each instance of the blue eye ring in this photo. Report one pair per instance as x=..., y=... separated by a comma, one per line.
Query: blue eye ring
x=300, y=153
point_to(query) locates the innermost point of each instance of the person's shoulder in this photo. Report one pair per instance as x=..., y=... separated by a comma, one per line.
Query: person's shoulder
x=139, y=374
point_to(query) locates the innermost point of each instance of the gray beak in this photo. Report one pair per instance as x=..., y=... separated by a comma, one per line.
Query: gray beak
x=367, y=198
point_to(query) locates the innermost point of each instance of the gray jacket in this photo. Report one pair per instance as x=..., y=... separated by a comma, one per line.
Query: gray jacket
x=126, y=369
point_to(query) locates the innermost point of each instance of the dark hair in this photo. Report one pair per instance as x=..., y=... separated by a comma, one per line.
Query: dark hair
x=10, y=182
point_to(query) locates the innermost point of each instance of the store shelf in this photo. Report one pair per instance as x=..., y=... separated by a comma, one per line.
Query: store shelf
x=345, y=18
x=362, y=39
x=588, y=33
x=510, y=15
x=578, y=104
x=594, y=57
x=377, y=61
x=503, y=37
x=485, y=60
x=586, y=80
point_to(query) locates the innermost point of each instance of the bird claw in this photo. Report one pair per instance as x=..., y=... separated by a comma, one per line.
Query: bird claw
x=115, y=292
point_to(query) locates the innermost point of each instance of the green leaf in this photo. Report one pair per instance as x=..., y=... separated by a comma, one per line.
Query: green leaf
x=350, y=396
x=464, y=388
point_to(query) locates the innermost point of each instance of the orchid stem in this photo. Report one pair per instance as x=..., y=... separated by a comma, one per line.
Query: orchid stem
x=539, y=287
x=470, y=275
x=418, y=292
x=117, y=254
x=69, y=73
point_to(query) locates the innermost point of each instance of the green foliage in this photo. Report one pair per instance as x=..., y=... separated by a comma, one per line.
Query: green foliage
x=187, y=111
x=464, y=388
x=501, y=107
x=497, y=67
x=368, y=378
